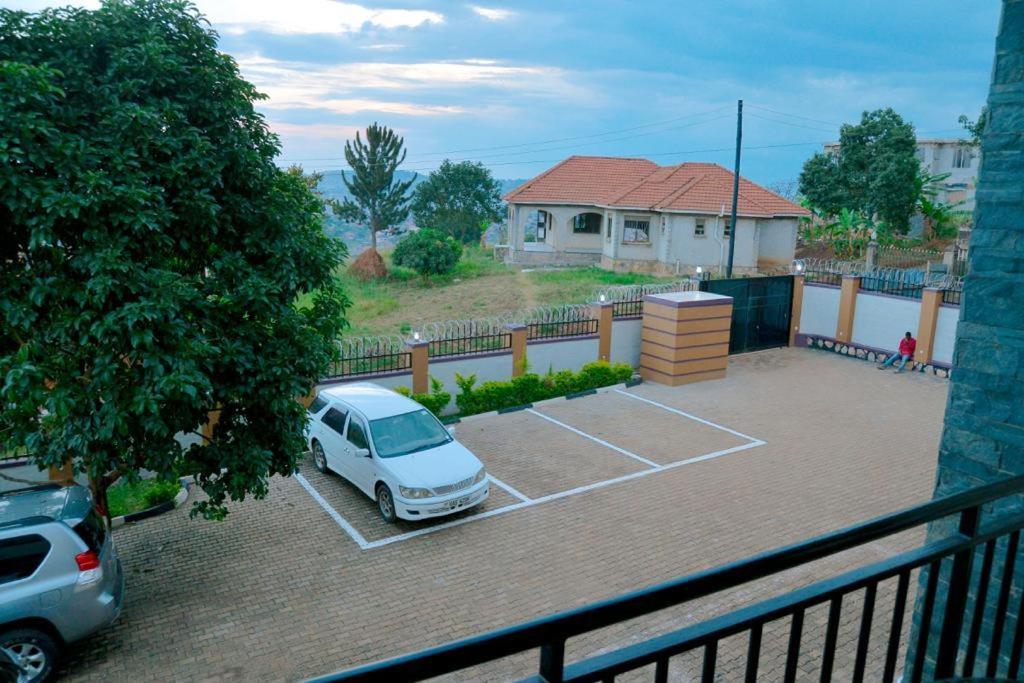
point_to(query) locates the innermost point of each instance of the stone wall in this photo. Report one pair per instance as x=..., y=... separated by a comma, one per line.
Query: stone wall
x=983, y=439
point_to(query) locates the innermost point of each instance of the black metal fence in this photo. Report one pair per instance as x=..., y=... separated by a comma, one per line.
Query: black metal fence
x=944, y=610
x=371, y=364
x=628, y=309
x=470, y=344
x=892, y=287
x=952, y=296
x=566, y=328
x=823, y=277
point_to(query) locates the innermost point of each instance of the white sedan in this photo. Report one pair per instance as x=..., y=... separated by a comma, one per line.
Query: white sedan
x=395, y=451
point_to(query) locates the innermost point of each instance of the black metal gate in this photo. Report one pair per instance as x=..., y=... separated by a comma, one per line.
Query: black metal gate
x=761, y=310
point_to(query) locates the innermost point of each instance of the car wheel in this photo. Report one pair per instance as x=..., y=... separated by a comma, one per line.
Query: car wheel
x=33, y=652
x=386, y=503
x=319, y=457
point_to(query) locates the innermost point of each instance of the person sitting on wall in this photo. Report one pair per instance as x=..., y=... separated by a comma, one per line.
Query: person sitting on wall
x=907, y=346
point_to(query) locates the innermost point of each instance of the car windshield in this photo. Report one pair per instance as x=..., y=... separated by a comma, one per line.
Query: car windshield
x=407, y=433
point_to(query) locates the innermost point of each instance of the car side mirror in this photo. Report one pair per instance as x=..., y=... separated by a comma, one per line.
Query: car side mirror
x=362, y=452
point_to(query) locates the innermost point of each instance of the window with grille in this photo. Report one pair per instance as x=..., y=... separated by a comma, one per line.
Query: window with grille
x=698, y=228
x=727, y=227
x=636, y=230
x=587, y=223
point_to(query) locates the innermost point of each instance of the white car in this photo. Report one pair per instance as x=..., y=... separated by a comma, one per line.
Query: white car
x=395, y=451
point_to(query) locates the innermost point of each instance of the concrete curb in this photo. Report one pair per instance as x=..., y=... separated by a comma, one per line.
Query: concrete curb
x=160, y=509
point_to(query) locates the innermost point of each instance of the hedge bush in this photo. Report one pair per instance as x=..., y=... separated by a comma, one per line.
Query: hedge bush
x=428, y=252
x=531, y=387
x=435, y=401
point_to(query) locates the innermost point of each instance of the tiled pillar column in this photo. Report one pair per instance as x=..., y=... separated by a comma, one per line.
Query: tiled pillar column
x=685, y=337
x=847, y=304
x=931, y=299
x=518, y=331
x=602, y=311
x=420, y=365
x=796, y=309
x=983, y=437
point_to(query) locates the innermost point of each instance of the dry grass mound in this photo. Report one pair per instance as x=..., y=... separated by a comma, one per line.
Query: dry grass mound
x=368, y=266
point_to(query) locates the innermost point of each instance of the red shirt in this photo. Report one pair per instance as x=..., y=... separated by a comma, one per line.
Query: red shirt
x=907, y=346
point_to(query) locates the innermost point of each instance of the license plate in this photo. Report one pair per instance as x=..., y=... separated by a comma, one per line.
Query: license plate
x=458, y=503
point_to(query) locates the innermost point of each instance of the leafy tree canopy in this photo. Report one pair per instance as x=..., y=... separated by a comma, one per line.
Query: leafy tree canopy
x=151, y=254
x=380, y=200
x=977, y=127
x=428, y=252
x=874, y=173
x=459, y=199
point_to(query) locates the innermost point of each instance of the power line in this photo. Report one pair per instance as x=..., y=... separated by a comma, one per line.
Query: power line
x=795, y=116
x=789, y=123
x=537, y=142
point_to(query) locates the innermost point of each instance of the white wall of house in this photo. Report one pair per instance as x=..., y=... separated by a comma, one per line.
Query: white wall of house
x=626, y=341
x=819, y=313
x=881, y=321
x=945, y=334
x=777, y=241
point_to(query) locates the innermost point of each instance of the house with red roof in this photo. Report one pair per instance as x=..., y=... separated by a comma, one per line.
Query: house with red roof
x=631, y=214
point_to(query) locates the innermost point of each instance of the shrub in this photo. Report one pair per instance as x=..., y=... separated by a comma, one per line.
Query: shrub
x=161, y=491
x=531, y=387
x=428, y=252
x=435, y=401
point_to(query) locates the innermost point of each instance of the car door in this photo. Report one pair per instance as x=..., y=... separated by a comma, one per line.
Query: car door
x=332, y=438
x=361, y=466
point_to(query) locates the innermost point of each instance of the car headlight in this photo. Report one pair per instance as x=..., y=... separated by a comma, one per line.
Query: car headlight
x=415, y=492
x=480, y=476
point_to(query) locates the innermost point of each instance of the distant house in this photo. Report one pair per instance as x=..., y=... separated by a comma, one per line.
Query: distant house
x=631, y=214
x=958, y=158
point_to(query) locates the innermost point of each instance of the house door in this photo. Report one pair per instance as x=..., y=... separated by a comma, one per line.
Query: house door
x=761, y=309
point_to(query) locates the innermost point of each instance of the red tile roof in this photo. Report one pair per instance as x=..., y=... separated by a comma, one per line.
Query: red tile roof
x=641, y=184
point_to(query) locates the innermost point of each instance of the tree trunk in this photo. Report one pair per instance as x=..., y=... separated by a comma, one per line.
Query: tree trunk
x=374, y=227
x=99, y=487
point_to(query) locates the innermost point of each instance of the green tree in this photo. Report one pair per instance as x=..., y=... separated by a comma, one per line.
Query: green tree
x=977, y=127
x=874, y=172
x=460, y=199
x=151, y=254
x=380, y=201
x=428, y=252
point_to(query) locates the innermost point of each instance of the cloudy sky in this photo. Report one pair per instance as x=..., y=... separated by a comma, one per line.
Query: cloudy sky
x=521, y=85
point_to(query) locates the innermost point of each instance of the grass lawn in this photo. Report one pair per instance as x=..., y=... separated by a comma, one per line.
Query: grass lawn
x=124, y=498
x=478, y=286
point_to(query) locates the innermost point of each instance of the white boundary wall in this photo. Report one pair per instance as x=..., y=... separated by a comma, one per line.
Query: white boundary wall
x=626, y=341
x=945, y=334
x=881, y=321
x=571, y=354
x=819, y=313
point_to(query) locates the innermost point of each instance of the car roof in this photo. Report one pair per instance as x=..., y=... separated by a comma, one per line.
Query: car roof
x=68, y=504
x=372, y=400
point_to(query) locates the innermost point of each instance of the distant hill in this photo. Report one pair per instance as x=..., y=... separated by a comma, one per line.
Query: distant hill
x=357, y=237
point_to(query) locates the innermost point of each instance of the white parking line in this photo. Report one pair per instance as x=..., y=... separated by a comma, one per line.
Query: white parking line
x=508, y=488
x=526, y=502
x=342, y=522
x=684, y=414
x=604, y=443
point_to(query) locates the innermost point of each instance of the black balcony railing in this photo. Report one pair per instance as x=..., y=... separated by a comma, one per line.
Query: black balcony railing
x=940, y=628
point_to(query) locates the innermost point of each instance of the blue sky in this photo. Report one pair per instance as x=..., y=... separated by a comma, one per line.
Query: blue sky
x=521, y=85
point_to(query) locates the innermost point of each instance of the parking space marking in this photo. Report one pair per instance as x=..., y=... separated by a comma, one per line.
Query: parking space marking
x=342, y=522
x=508, y=488
x=604, y=443
x=525, y=501
x=685, y=414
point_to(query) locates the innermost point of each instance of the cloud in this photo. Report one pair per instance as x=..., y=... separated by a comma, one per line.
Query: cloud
x=492, y=13
x=308, y=16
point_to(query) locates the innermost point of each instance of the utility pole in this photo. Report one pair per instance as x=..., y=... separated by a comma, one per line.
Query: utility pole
x=735, y=186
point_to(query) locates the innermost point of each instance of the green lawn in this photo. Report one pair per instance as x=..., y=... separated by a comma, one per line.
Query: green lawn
x=479, y=286
x=124, y=498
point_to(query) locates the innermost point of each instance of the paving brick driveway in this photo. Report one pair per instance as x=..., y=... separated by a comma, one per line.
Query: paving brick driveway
x=279, y=592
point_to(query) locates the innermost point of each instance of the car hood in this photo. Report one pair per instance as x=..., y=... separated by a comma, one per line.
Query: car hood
x=435, y=467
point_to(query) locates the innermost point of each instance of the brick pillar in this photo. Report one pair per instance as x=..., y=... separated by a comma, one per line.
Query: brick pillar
x=518, y=331
x=847, y=304
x=685, y=337
x=420, y=365
x=602, y=311
x=983, y=437
x=931, y=299
x=796, y=308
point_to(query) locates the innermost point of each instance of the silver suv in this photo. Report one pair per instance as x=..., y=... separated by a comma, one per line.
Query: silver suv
x=60, y=579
